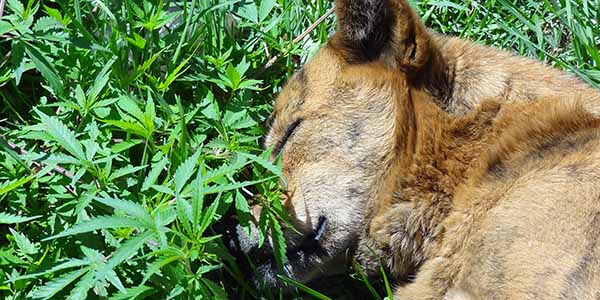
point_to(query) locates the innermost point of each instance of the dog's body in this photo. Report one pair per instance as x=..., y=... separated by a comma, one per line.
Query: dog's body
x=476, y=169
x=503, y=204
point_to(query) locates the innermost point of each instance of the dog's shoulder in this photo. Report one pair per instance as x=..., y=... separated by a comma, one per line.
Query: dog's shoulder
x=541, y=135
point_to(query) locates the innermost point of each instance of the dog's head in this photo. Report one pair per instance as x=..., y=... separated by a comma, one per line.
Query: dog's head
x=335, y=127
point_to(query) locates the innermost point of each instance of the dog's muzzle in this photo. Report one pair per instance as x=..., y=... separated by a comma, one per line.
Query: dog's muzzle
x=244, y=246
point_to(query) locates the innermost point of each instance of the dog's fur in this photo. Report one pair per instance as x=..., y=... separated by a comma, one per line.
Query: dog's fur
x=476, y=169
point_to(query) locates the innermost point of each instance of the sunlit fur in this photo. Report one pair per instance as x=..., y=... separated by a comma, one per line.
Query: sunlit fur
x=473, y=169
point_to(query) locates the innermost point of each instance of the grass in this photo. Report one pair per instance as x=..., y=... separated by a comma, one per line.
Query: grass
x=129, y=128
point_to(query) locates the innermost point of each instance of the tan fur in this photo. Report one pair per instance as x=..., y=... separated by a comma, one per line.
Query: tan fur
x=542, y=161
x=474, y=169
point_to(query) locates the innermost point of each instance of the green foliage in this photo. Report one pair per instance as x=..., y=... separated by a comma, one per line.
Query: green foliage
x=129, y=128
x=560, y=32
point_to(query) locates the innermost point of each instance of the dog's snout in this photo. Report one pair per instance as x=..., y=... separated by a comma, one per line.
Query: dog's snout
x=312, y=242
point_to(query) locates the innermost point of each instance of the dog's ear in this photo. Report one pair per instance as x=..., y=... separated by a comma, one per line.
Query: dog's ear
x=381, y=29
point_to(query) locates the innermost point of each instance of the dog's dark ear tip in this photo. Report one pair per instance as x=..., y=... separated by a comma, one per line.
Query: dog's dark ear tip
x=364, y=28
x=370, y=29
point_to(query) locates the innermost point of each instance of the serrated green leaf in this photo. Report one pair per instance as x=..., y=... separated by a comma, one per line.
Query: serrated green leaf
x=23, y=243
x=55, y=13
x=234, y=186
x=100, y=82
x=5, y=27
x=60, y=158
x=240, y=121
x=149, y=113
x=184, y=213
x=124, y=145
x=131, y=127
x=176, y=291
x=263, y=222
x=45, y=67
x=242, y=210
x=226, y=169
x=198, y=195
x=105, y=102
x=241, y=204
x=163, y=189
x=10, y=185
x=208, y=268
x=17, y=7
x=209, y=215
x=242, y=66
x=125, y=171
x=103, y=222
x=154, y=173
x=185, y=171
x=157, y=264
x=18, y=60
x=275, y=169
x=137, y=41
x=266, y=6
x=279, y=246
x=57, y=284
x=82, y=287
x=130, y=106
x=94, y=256
x=58, y=266
x=125, y=251
x=133, y=293
x=165, y=215
x=44, y=24
x=233, y=75
x=131, y=208
x=114, y=279
x=210, y=107
x=62, y=135
x=178, y=71
x=7, y=218
x=250, y=84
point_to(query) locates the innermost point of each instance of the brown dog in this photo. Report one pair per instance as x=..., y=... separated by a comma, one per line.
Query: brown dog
x=476, y=169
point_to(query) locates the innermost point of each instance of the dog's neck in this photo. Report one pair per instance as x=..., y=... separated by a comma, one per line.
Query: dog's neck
x=435, y=152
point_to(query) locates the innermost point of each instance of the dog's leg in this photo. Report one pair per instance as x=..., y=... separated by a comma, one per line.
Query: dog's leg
x=433, y=282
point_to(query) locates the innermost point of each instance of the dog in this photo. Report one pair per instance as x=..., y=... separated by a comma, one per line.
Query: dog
x=466, y=171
